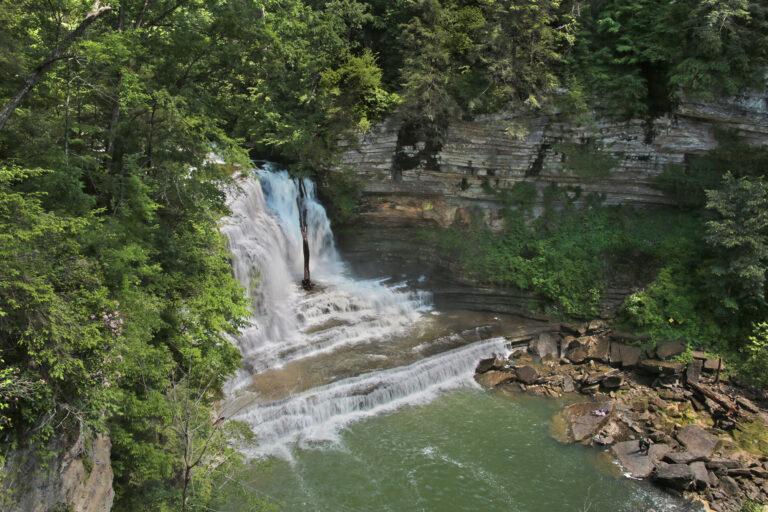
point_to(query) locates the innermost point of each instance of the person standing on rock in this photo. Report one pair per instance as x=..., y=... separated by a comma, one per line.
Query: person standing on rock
x=645, y=445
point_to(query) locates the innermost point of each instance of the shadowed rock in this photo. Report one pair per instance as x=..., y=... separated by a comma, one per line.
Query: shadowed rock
x=677, y=476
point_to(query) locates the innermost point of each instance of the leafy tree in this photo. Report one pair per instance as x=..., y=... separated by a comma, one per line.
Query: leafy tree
x=739, y=234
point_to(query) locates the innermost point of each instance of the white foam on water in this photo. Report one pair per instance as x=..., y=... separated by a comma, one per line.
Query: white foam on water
x=289, y=323
x=318, y=415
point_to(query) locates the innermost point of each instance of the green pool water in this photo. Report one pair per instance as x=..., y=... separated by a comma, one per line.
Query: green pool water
x=469, y=450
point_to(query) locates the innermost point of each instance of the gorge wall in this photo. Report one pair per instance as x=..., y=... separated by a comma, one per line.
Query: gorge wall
x=73, y=477
x=410, y=182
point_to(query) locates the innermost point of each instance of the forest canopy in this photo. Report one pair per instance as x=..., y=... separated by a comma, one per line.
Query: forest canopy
x=116, y=293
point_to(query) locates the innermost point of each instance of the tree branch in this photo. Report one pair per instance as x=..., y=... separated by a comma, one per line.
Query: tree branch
x=57, y=54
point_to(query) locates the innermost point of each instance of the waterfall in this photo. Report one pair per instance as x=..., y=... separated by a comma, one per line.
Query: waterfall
x=319, y=414
x=287, y=322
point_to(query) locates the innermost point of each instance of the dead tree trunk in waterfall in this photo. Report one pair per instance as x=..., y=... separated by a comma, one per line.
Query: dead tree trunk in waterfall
x=57, y=54
x=306, y=283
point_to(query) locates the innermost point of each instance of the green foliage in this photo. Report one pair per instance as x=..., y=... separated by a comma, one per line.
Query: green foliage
x=739, y=235
x=754, y=368
x=464, y=58
x=341, y=191
x=639, y=57
x=565, y=255
x=687, y=184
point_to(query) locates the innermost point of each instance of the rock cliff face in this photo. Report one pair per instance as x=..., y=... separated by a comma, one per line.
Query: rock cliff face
x=411, y=183
x=79, y=479
x=407, y=180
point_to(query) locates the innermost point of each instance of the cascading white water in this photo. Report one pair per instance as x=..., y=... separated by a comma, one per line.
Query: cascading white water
x=319, y=414
x=289, y=323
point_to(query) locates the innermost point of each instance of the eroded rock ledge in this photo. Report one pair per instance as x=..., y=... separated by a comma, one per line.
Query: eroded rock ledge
x=663, y=419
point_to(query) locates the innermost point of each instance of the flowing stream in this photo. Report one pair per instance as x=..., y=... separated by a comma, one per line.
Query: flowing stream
x=362, y=394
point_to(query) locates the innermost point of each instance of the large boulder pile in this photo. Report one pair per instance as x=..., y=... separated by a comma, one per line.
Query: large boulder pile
x=663, y=419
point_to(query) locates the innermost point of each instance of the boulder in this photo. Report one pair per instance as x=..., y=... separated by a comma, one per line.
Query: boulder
x=598, y=377
x=544, y=346
x=676, y=476
x=574, y=329
x=625, y=355
x=673, y=395
x=635, y=462
x=700, y=475
x=568, y=386
x=613, y=381
x=670, y=349
x=585, y=419
x=722, y=464
x=693, y=371
x=697, y=441
x=494, y=378
x=658, y=367
x=527, y=374
x=685, y=457
x=747, y=404
x=657, y=451
x=730, y=486
x=577, y=352
x=492, y=363
x=599, y=348
x=597, y=326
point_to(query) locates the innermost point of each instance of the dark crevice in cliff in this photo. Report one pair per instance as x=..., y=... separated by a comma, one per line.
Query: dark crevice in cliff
x=418, y=145
x=538, y=163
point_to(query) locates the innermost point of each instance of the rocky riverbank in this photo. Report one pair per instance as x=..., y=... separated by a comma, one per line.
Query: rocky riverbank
x=669, y=415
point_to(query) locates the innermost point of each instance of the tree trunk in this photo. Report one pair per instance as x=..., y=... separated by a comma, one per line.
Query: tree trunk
x=57, y=54
x=306, y=283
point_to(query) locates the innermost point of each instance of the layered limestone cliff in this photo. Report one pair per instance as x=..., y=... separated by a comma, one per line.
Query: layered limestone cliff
x=409, y=182
x=74, y=479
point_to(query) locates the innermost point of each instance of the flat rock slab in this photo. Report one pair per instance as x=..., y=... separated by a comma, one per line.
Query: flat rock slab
x=677, y=476
x=585, y=419
x=683, y=457
x=494, y=378
x=659, y=367
x=527, y=374
x=637, y=463
x=697, y=441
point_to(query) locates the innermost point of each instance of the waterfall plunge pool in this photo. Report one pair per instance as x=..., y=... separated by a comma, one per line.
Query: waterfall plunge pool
x=467, y=450
x=361, y=395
